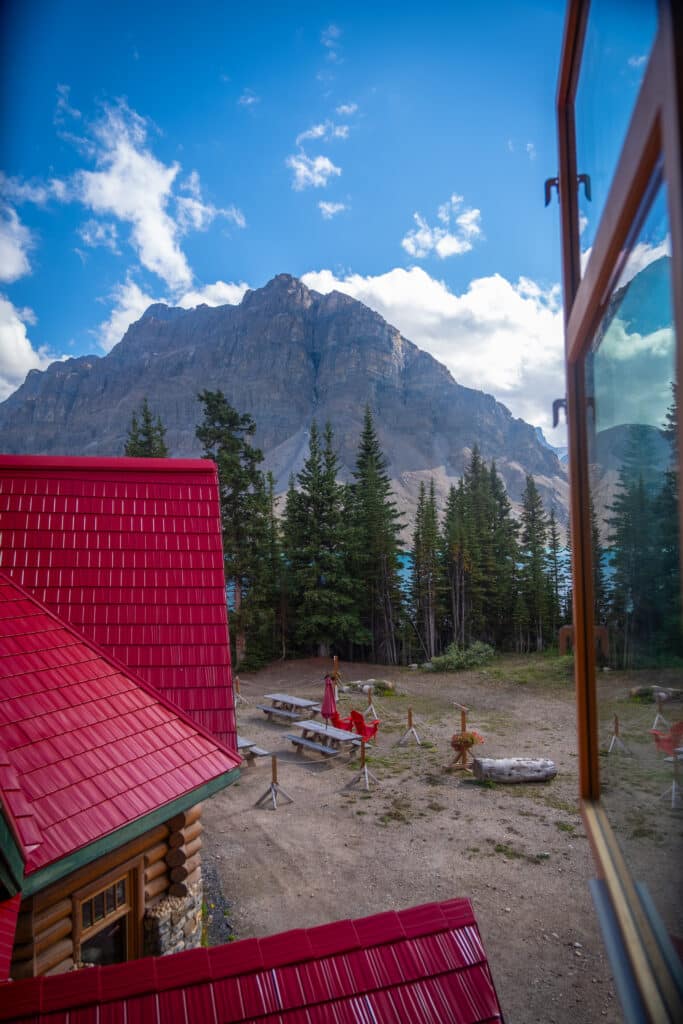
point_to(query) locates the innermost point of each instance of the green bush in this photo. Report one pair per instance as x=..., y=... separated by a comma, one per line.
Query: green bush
x=457, y=658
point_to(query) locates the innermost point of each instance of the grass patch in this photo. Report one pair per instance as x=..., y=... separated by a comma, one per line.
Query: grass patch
x=565, y=826
x=433, y=805
x=508, y=851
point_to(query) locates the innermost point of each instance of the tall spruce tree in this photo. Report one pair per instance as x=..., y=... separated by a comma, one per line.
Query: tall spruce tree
x=456, y=563
x=376, y=548
x=426, y=569
x=224, y=434
x=315, y=535
x=533, y=576
x=146, y=435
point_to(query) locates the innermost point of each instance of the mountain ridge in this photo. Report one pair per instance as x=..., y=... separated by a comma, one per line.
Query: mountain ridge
x=286, y=355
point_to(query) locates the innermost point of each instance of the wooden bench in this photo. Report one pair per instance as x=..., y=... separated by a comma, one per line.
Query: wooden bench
x=292, y=716
x=299, y=741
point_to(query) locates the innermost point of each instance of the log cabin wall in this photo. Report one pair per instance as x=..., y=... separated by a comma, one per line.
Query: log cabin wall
x=153, y=881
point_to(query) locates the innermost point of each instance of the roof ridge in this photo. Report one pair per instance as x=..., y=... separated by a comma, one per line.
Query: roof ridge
x=106, y=462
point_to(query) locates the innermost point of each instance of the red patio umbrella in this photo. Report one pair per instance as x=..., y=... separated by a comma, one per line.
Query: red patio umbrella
x=329, y=704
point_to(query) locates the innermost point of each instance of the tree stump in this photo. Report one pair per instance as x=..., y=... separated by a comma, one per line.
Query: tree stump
x=514, y=769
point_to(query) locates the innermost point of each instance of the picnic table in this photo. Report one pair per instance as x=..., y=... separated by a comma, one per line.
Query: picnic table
x=324, y=739
x=287, y=707
x=249, y=750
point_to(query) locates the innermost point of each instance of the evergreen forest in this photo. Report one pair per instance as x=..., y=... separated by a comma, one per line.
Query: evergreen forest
x=327, y=573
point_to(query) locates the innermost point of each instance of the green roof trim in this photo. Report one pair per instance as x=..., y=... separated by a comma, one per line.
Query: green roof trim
x=60, y=868
x=11, y=861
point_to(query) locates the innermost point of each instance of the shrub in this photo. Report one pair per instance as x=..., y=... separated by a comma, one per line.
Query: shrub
x=457, y=658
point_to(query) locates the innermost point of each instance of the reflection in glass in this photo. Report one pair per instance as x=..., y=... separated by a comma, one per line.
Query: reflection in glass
x=108, y=946
x=632, y=411
x=619, y=37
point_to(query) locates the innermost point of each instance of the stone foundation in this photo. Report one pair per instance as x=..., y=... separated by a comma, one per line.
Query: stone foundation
x=174, y=923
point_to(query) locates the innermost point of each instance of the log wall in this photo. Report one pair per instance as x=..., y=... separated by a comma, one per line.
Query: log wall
x=46, y=935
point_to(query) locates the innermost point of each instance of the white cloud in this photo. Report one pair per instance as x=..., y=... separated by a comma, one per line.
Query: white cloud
x=248, y=98
x=316, y=131
x=134, y=186
x=64, y=111
x=461, y=227
x=325, y=131
x=311, y=172
x=130, y=302
x=95, y=233
x=511, y=146
x=195, y=214
x=531, y=150
x=329, y=210
x=17, y=354
x=330, y=36
x=37, y=192
x=637, y=61
x=15, y=243
x=642, y=255
x=220, y=293
x=497, y=336
x=347, y=109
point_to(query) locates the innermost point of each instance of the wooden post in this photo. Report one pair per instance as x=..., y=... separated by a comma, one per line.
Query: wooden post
x=463, y=720
x=410, y=732
x=275, y=789
x=365, y=774
x=239, y=699
x=616, y=741
x=660, y=721
x=370, y=709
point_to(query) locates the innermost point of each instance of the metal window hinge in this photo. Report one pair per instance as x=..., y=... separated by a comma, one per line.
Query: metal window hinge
x=585, y=180
x=549, y=185
x=559, y=403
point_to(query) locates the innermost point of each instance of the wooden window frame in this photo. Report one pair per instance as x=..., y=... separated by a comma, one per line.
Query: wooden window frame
x=654, y=139
x=133, y=871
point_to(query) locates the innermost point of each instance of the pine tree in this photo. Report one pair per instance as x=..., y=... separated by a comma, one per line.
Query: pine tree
x=146, y=435
x=375, y=548
x=316, y=551
x=224, y=434
x=533, y=562
x=425, y=571
x=456, y=563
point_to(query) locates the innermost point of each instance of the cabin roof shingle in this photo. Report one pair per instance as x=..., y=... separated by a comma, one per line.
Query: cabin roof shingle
x=86, y=748
x=129, y=552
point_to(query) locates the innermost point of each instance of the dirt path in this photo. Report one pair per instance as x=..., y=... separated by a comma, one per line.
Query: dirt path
x=519, y=853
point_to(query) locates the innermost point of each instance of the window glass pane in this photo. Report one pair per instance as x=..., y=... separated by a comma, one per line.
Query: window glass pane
x=619, y=37
x=111, y=899
x=108, y=946
x=120, y=892
x=630, y=379
x=87, y=914
x=99, y=906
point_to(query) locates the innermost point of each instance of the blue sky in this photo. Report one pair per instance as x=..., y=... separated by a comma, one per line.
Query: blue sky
x=184, y=152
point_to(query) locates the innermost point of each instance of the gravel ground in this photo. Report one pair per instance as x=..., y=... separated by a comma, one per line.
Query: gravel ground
x=519, y=853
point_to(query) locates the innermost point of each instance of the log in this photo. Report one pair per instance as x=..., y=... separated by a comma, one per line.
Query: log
x=178, y=856
x=156, y=887
x=196, y=876
x=154, y=870
x=185, y=835
x=177, y=889
x=156, y=853
x=514, y=769
x=184, y=818
x=183, y=871
x=28, y=925
x=54, y=956
x=44, y=940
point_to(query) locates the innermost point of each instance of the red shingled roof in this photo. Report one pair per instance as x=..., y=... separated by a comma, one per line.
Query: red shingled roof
x=425, y=965
x=85, y=746
x=129, y=552
x=9, y=912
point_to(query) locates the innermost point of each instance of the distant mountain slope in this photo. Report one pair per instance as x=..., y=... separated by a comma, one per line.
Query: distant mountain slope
x=286, y=355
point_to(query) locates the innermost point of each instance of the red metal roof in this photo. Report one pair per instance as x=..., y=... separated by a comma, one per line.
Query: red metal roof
x=425, y=965
x=85, y=746
x=9, y=911
x=129, y=552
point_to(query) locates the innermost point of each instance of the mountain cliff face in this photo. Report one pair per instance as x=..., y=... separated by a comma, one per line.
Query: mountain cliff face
x=286, y=355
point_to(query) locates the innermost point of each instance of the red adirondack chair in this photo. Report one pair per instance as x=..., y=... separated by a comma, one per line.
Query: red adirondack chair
x=367, y=730
x=341, y=723
x=667, y=742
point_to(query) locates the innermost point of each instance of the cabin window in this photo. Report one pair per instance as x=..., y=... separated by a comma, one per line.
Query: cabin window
x=103, y=920
x=621, y=193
